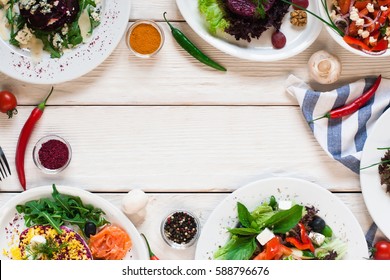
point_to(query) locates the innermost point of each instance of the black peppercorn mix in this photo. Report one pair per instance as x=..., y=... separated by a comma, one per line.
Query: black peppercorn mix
x=180, y=227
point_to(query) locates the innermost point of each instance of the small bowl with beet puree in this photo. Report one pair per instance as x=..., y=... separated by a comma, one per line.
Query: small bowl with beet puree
x=145, y=38
x=52, y=154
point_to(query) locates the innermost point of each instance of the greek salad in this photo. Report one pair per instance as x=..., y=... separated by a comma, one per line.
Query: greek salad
x=281, y=230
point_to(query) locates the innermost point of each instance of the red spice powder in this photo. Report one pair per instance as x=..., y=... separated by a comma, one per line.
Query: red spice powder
x=53, y=154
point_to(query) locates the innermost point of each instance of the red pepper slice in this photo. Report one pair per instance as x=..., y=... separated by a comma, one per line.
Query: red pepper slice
x=24, y=137
x=299, y=245
x=273, y=250
x=382, y=45
x=356, y=43
x=304, y=236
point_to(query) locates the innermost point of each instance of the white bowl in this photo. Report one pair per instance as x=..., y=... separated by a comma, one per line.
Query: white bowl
x=340, y=40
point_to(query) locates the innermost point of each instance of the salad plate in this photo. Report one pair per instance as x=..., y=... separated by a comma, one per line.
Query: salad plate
x=21, y=65
x=12, y=223
x=343, y=223
x=375, y=196
x=298, y=38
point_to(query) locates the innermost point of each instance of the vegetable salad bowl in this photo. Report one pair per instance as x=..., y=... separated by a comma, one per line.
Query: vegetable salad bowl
x=361, y=26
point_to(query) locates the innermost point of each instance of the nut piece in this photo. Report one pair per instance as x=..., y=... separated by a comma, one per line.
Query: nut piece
x=324, y=67
x=298, y=18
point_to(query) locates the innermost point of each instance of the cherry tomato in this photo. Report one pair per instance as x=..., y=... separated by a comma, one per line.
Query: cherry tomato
x=8, y=103
x=381, y=250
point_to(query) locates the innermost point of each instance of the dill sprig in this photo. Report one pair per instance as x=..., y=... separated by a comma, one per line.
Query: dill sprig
x=45, y=251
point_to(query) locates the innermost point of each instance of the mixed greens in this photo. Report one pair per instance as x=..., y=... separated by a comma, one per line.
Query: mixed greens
x=268, y=232
x=54, y=25
x=59, y=210
x=243, y=19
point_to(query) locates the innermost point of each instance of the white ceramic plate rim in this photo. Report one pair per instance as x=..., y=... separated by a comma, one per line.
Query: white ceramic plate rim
x=375, y=196
x=18, y=64
x=113, y=214
x=340, y=40
x=331, y=208
x=258, y=50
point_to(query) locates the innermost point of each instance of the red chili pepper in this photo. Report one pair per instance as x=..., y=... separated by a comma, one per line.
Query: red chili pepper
x=355, y=105
x=300, y=245
x=152, y=256
x=24, y=137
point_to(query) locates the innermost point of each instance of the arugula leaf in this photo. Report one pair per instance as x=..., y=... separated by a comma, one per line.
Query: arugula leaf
x=283, y=221
x=244, y=216
x=237, y=248
x=74, y=34
x=60, y=209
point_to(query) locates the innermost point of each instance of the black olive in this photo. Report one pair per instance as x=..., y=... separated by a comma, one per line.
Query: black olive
x=318, y=224
x=89, y=229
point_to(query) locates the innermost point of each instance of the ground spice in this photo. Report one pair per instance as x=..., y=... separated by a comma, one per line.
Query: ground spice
x=145, y=39
x=53, y=154
x=180, y=227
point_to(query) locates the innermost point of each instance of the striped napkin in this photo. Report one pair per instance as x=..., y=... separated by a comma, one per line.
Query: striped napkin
x=343, y=139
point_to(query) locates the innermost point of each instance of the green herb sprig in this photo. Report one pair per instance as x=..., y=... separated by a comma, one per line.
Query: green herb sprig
x=45, y=250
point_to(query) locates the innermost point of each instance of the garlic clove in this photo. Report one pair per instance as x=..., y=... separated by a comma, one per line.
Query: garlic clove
x=324, y=67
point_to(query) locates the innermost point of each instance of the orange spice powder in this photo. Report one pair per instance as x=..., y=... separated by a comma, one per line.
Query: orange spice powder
x=145, y=39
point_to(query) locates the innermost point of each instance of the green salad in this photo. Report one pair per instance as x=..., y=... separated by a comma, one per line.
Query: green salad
x=50, y=25
x=281, y=230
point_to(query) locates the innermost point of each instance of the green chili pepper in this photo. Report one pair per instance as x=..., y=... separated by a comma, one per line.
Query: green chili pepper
x=186, y=44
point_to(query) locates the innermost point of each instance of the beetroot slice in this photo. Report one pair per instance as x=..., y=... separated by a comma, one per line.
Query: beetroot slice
x=51, y=17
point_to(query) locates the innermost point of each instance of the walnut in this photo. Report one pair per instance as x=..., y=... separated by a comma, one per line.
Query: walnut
x=298, y=18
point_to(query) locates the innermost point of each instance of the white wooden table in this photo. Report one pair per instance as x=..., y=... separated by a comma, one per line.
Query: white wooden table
x=182, y=132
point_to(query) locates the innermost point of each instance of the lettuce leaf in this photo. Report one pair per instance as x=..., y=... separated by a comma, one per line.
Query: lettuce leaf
x=213, y=14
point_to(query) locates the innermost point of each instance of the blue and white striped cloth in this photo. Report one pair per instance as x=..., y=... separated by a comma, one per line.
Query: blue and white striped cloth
x=343, y=139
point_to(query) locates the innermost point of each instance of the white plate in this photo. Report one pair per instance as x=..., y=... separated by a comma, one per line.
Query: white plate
x=375, y=197
x=298, y=38
x=19, y=64
x=331, y=209
x=8, y=223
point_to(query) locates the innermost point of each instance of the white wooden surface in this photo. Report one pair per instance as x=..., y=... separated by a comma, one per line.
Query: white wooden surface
x=180, y=130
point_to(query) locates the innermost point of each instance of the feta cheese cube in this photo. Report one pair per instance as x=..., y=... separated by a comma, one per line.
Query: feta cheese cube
x=360, y=22
x=370, y=7
x=317, y=238
x=284, y=204
x=24, y=35
x=265, y=236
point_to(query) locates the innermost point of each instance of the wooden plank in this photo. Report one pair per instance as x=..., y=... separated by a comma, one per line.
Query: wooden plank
x=176, y=148
x=201, y=205
x=175, y=78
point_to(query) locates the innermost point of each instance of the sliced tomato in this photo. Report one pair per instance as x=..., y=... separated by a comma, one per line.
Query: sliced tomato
x=383, y=2
x=362, y=4
x=344, y=6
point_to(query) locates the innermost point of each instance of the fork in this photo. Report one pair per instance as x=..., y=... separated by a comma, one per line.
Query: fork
x=4, y=167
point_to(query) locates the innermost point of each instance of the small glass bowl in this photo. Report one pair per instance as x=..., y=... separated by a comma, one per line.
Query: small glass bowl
x=38, y=147
x=147, y=22
x=184, y=244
